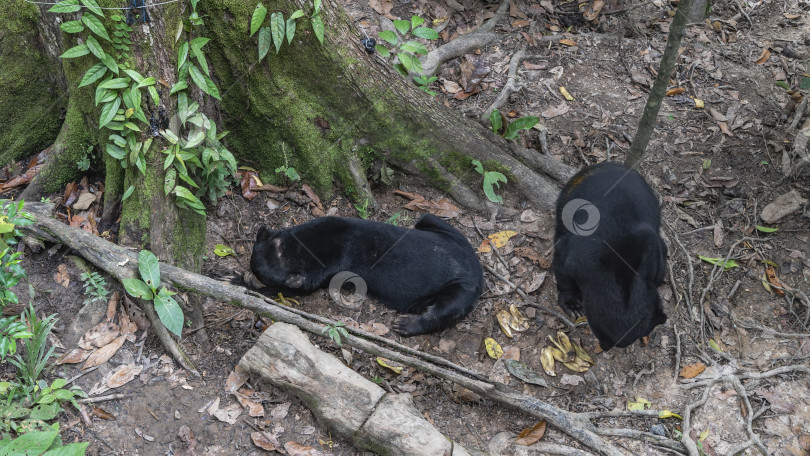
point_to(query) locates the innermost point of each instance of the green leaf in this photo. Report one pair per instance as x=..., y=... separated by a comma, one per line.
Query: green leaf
x=291, y=25
x=491, y=179
x=45, y=411
x=496, y=121
x=182, y=54
x=31, y=443
x=75, y=51
x=169, y=181
x=149, y=266
x=726, y=264
x=132, y=126
x=137, y=288
x=410, y=62
x=805, y=83
x=765, y=229
x=265, y=40
x=65, y=6
x=782, y=84
x=137, y=77
x=93, y=74
x=109, y=62
x=416, y=21
x=317, y=27
x=203, y=82
x=196, y=49
x=115, y=151
x=258, y=17
x=478, y=166
x=72, y=449
x=170, y=313
x=182, y=85
x=154, y=94
x=402, y=26
x=316, y=6
x=94, y=46
x=95, y=25
x=72, y=27
x=296, y=14
x=115, y=83
x=414, y=47
x=128, y=192
x=108, y=111
x=223, y=250
x=389, y=36
x=277, y=29
x=93, y=7
x=147, y=82
x=524, y=123
x=384, y=53
x=426, y=33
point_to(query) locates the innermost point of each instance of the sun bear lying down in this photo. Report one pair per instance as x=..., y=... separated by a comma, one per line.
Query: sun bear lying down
x=608, y=256
x=430, y=272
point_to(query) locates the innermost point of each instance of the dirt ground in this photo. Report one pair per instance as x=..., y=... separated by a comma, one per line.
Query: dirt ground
x=715, y=169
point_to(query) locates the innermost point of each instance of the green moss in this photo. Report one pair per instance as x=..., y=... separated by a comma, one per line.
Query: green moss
x=188, y=246
x=31, y=104
x=70, y=147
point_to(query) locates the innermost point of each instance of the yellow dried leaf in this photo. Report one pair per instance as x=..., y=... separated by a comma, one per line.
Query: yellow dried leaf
x=559, y=355
x=770, y=274
x=703, y=435
x=669, y=414
x=565, y=93
x=582, y=319
x=494, y=350
x=568, y=42
x=388, y=364
x=714, y=345
x=675, y=91
x=582, y=354
x=692, y=370
x=547, y=361
x=699, y=103
x=129, y=112
x=500, y=238
x=577, y=365
x=504, y=321
x=639, y=404
x=531, y=435
x=519, y=321
x=564, y=342
x=764, y=56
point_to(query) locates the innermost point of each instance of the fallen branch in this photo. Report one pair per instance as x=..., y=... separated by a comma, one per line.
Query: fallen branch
x=482, y=36
x=121, y=263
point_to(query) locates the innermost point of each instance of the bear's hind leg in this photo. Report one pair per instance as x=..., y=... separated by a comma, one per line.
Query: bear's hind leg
x=449, y=306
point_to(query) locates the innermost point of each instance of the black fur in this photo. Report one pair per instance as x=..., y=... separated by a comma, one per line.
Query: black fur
x=612, y=273
x=431, y=270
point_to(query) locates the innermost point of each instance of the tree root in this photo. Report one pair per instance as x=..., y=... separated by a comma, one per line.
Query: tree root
x=358, y=174
x=165, y=337
x=735, y=381
x=122, y=263
x=482, y=36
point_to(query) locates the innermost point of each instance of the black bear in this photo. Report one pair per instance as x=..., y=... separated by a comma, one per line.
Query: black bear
x=431, y=270
x=608, y=256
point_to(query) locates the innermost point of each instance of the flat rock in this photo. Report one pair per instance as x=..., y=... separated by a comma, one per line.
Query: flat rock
x=782, y=206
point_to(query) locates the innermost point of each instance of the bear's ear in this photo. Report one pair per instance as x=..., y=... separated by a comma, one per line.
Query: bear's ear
x=263, y=233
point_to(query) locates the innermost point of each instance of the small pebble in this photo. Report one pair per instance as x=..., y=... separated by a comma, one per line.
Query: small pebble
x=659, y=429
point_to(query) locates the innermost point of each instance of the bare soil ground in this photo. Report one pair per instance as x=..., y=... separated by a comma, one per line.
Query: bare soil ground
x=715, y=169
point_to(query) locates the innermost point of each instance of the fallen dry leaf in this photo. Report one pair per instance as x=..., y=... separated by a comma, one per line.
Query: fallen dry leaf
x=103, y=354
x=675, y=91
x=692, y=370
x=99, y=335
x=74, y=356
x=568, y=42
x=770, y=273
x=552, y=112
x=383, y=7
x=531, y=435
x=764, y=56
x=228, y=414
x=297, y=449
x=312, y=195
x=265, y=440
x=103, y=414
x=592, y=12
x=62, y=276
x=255, y=409
x=280, y=411
x=236, y=379
x=442, y=207
x=124, y=374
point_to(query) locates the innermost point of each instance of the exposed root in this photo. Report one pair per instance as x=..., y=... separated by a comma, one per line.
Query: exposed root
x=358, y=174
x=165, y=337
x=482, y=36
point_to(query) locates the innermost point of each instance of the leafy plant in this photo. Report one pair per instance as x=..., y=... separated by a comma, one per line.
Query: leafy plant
x=407, y=52
x=726, y=264
x=279, y=28
x=31, y=366
x=492, y=179
x=289, y=172
x=394, y=219
x=498, y=121
x=12, y=216
x=95, y=287
x=170, y=313
x=11, y=272
x=84, y=162
x=424, y=84
x=222, y=250
x=199, y=159
x=362, y=209
x=336, y=332
x=377, y=379
x=45, y=200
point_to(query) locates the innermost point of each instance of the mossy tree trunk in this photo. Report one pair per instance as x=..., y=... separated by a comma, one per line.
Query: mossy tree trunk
x=329, y=110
